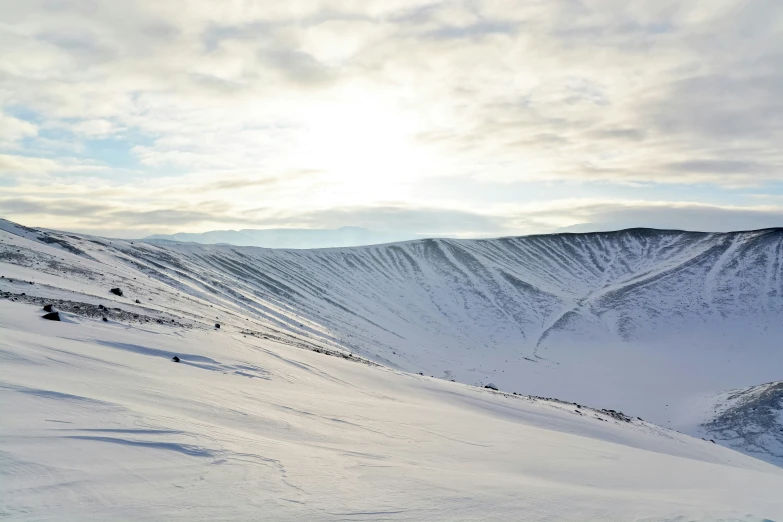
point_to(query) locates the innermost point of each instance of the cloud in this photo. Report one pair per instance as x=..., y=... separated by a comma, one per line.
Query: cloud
x=12, y=164
x=97, y=128
x=676, y=216
x=400, y=218
x=98, y=215
x=381, y=97
x=13, y=129
x=36, y=206
x=81, y=214
x=248, y=180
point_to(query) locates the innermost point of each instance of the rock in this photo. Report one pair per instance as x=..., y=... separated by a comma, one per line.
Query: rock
x=217, y=325
x=175, y=359
x=54, y=316
x=48, y=308
x=101, y=307
x=491, y=387
x=105, y=320
x=116, y=291
x=138, y=302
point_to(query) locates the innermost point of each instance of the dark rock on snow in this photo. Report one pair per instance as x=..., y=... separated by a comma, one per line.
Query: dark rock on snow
x=53, y=316
x=105, y=320
x=48, y=308
x=116, y=291
x=217, y=325
x=491, y=387
x=175, y=359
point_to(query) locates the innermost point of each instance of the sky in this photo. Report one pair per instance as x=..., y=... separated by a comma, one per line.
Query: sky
x=468, y=119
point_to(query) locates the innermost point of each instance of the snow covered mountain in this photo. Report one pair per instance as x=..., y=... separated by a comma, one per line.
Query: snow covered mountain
x=648, y=322
x=269, y=416
x=749, y=420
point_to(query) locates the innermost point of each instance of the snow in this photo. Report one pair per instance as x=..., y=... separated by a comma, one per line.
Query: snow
x=748, y=419
x=256, y=421
x=99, y=424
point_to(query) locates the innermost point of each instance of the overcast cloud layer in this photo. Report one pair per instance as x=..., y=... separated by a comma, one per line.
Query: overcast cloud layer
x=473, y=118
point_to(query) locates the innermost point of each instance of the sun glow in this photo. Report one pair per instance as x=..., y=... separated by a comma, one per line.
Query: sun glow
x=365, y=147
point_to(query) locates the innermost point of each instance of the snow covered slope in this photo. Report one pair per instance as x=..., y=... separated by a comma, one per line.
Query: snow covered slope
x=642, y=321
x=99, y=424
x=749, y=420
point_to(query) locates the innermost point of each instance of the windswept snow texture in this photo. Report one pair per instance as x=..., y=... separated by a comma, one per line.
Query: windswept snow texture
x=637, y=320
x=99, y=424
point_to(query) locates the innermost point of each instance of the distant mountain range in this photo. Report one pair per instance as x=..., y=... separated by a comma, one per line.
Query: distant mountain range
x=289, y=237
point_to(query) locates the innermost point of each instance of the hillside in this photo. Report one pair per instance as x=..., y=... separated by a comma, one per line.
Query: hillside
x=100, y=424
x=643, y=321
